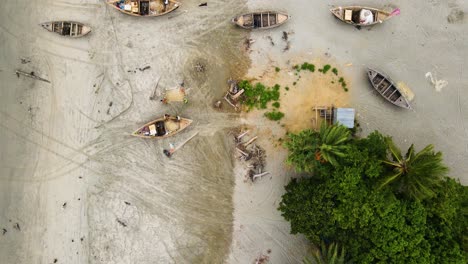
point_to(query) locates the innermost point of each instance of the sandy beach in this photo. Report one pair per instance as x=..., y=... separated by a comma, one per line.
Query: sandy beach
x=76, y=187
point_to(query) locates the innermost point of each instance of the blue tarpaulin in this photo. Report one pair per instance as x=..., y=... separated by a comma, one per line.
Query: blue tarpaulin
x=344, y=116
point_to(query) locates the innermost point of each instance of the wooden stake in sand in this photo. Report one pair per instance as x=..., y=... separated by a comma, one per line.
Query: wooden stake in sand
x=30, y=75
x=171, y=151
x=153, y=95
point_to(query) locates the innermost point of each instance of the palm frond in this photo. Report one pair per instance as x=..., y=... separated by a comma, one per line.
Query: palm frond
x=394, y=150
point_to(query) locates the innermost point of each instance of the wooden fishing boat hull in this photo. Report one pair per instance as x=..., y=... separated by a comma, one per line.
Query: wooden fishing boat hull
x=261, y=20
x=145, y=8
x=387, y=89
x=67, y=28
x=162, y=128
x=353, y=19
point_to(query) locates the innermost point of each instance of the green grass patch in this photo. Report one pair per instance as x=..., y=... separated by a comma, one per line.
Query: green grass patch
x=343, y=84
x=286, y=88
x=277, y=69
x=294, y=83
x=325, y=69
x=305, y=67
x=274, y=115
x=276, y=104
x=259, y=95
x=335, y=71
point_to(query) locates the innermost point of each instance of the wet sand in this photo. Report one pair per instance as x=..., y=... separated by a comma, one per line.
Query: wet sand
x=81, y=188
x=83, y=191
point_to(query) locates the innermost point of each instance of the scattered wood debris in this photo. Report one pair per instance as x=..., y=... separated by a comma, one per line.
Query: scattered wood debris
x=153, y=94
x=200, y=67
x=251, y=152
x=25, y=60
x=122, y=223
x=262, y=259
x=30, y=75
x=248, y=43
x=203, y=4
x=233, y=94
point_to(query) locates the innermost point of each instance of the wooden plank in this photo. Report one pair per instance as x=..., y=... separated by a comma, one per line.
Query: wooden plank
x=387, y=89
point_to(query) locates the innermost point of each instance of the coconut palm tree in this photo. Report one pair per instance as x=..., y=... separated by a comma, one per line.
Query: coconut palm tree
x=330, y=254
x=416, y=174
x=333, y=141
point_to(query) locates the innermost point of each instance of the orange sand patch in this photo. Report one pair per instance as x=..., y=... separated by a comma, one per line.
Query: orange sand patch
x=312, y=89
x=175, y=95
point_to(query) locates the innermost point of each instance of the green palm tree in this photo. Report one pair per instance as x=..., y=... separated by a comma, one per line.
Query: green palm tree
x=417, y=174
x=333, y=141
x=330, y=254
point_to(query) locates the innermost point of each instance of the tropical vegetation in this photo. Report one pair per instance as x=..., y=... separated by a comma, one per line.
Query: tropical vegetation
x=380, y=206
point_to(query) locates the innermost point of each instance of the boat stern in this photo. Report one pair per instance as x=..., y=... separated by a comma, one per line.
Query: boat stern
x=47, y=26
x=85, y=30
x=337, y=11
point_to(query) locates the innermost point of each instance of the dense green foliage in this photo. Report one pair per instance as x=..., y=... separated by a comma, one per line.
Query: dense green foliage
x=333, y=141
x=347, y=202
x=327, y=254
x=259, y=95
x=416, y=175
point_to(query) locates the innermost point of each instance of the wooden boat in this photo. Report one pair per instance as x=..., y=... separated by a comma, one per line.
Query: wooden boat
x=351, y=15
x=387, y=88
x=67, y=28
x=163, y=127
x=261, y=20
x=144, y=8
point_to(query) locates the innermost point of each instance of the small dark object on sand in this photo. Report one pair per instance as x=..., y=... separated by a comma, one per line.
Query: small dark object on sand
x=121, y=222
x=127, y=203
x=55, y=260
x=288, y=46
x=64, y=205
x=271, y=40
x=285, y=36
x=17, y=227
x=25, y=60
x=203, y=4
x=4, y=231
x=144, y=68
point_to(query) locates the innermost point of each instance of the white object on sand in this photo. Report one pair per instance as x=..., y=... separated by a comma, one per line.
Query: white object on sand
x=438, y=84
x=366, y=17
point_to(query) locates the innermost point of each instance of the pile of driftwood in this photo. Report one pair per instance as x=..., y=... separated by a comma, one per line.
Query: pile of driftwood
x=233, y=94
x=252, y=154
